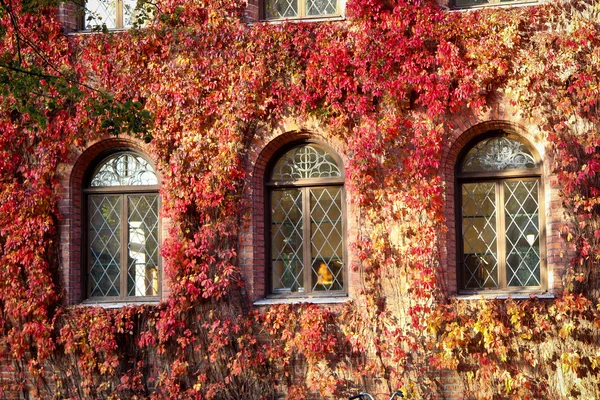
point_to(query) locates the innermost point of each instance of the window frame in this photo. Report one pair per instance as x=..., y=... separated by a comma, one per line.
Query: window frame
x=340, y=5
x=123, y=192
x=492, y=3
x=304, y=185
x=498, y=178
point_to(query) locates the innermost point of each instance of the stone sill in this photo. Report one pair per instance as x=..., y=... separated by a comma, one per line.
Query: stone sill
x=92, y=32
x=300, y=19
x=504, y=296
x=300, y=300
x=115, y=304
x=487, y=6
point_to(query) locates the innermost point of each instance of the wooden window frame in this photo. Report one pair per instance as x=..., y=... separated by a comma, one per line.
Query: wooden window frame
x=124, y=192
x=498, y=178
x=301, y=12
x=305, y=185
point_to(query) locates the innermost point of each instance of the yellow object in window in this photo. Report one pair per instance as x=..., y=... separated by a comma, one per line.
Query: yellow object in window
x=325, y=275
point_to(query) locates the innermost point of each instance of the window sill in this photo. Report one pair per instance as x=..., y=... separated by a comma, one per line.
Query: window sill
x=96, y=32
x=501, y=5
x=504, y=296
x=300, y=300
x=303, y=19
x=117, y=304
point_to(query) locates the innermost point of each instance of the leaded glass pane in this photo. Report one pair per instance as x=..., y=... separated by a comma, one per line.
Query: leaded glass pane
x=287, y=240
x=320, y=7
x=281, y=9
x=303, y=162
x=522, y=232
x=124, y=169
x=104, y=245
x=497, y=154
x=135, y=14
x=129, y=13
x=327, y=257
x=100, y=12
x=142, y=246
x=480, y=257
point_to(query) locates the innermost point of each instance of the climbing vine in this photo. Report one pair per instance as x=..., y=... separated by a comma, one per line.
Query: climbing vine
x=200, y=85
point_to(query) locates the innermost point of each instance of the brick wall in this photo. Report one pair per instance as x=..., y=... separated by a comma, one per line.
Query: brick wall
x=466, y=125
x=253, y=11
x=70, y=15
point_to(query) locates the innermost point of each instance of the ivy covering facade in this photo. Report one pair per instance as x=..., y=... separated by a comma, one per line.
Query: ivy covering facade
x=397, y=90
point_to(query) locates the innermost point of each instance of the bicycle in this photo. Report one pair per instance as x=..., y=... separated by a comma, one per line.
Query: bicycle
x=365, y=396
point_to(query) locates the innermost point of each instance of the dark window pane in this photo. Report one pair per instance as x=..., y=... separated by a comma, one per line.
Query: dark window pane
x=320, y=7
x=480, y=260
x=287, y=241
x=104, y=245
x=327, y=257
x=281, y=8
x=522, y=232
x=470, y=3
x=142, y=248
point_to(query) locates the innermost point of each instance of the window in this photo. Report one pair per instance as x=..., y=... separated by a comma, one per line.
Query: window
x=276, y=9
x=122, y=229
x=307, y=227
x=483, y=3
x=501, y=227
x=114, y=14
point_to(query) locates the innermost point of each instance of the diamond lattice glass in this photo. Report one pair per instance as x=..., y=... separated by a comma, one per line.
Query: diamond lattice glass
x=522, y=232
x=281, y=9
x=327, y=257
x=129, y=13
x=320, y=7
x=104, y=245
x=100, y=12
x=287, y=240
x=142, y=246
x=480, y=257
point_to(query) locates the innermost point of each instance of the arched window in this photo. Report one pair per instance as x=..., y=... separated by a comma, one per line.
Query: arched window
x=122, y=229
x=306, y=238
x=501, y=226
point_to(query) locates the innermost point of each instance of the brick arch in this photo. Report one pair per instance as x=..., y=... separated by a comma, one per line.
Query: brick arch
x=70, y=207
x=456, y=142
x=459, y=139
x=252, y=238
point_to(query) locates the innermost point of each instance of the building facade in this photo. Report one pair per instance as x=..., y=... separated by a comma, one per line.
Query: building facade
x=369, y=229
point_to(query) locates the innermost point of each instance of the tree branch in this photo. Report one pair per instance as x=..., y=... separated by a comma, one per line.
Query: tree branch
x=20, y=37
